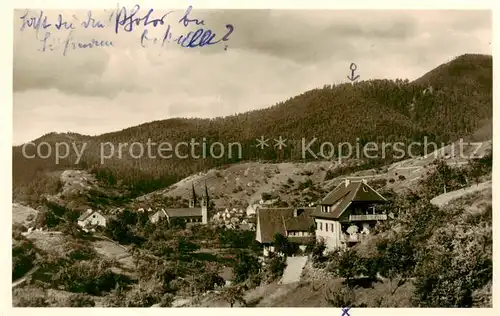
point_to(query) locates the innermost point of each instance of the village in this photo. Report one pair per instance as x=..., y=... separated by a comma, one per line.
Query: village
x=340, y=219
x=245, y=251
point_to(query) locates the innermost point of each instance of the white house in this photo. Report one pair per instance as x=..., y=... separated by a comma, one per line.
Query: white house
x=341, y=219
x=92, y=218
x=348, y=213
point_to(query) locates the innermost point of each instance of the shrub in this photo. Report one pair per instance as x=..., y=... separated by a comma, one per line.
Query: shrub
x=378, y=183
x=306, y=184
x=144, y=295
x=282, y=245
x=341, y=298
x=91, y=277
x=78, y=251
x=80, y=300
x=268, y=196
x=23, y=257
x=207, y=281
x=274, y=268
x=317, y=252
x=18, y=227
x=233, y=294
x=33, y=301
x=457, y=261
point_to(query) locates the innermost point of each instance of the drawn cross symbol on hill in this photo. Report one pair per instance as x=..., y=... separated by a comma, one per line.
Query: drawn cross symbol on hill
x=345, y=311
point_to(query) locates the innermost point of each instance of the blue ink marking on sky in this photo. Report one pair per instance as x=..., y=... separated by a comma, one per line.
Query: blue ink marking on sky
x=186, y=20
x=91, y=22
x=61, y=24
x=198, y=38
x=123, y=20
x=36, y=23
x=69, y=43
x=128, y=19
x=201, y=37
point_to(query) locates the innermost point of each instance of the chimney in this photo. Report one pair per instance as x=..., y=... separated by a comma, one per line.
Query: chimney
x=297, y=212
x=347, y=182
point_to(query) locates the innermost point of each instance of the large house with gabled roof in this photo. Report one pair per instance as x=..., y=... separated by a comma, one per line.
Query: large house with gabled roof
x=348, y=213
x=342, y=218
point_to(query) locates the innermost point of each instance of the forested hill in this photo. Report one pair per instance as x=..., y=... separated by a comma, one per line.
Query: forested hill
x=449, y=102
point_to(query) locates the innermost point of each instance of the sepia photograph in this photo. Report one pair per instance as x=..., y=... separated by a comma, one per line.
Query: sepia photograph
x=195, y=157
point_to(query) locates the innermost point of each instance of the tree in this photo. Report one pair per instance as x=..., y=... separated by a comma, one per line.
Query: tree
x=275, y=266
x=283, y=246
x=185, y=246
x=233, y=294
x=395, y=260
x=208, y=280
x=246, y=266
x=177, y=223
x=317, y=251
x=456, y=261
x=350, y=265
x=23, y=257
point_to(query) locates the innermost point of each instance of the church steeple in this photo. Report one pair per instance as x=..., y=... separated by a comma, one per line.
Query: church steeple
x=206, y=195
x=193, y=198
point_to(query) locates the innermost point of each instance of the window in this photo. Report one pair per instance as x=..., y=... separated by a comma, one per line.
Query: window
x=320, y=226
x=326, y=226
x=331, y=227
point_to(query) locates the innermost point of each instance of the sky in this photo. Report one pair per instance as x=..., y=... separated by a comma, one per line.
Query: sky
x=269, y=57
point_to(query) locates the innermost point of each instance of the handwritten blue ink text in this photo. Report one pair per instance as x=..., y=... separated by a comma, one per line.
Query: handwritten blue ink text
x=128, y=19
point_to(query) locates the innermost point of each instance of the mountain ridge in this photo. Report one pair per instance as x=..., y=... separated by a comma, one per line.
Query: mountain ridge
x=451, y=101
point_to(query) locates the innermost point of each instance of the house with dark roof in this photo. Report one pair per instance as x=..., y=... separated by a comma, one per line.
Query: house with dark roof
x=91, y=218
x=348, y=213
x=342, y=218
x=294, y=223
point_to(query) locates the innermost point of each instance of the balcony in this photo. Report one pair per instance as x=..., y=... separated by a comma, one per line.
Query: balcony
x=368, y=217
x=351, y=238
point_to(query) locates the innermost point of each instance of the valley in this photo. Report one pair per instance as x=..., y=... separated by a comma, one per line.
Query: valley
x=139, y=232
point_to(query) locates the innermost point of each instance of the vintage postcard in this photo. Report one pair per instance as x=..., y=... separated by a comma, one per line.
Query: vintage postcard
x=194, y=157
